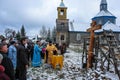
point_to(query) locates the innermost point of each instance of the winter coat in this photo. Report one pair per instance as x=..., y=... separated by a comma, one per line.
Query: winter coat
x=12, y=54
x=9, y=69
x=22, y=62
x=3, y=76
x=21, y=57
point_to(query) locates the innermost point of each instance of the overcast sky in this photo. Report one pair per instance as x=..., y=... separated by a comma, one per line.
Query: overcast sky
x=33, y=14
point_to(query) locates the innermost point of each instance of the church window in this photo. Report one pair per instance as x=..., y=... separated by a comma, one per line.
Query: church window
x=78, y=37
x=62, y=37
x=61, y=12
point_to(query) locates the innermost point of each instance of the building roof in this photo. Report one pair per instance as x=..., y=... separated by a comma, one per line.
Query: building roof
x=107, y=26
x=79, y=28
x=110, y=26
x=104, y=13
x=62, y=4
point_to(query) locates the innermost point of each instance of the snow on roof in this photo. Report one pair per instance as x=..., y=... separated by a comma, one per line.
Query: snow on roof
x=81, y=27
x=104, y=13
x=110, y=26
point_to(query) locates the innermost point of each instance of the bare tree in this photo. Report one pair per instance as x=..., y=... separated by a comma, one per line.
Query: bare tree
x=48, y=35
x=9, y=33
x=43, y=32
x=54, y=34
x=1, y=37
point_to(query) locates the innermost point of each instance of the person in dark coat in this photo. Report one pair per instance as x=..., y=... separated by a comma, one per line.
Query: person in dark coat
x=22, y=61
x=63, y=48
x=6, y=62
x=32, y=50
x=27, y=49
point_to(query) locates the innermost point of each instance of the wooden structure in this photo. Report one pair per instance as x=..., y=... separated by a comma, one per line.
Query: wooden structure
x=109, y=49
x=86, y=49
x=90, y=51
x=106, y=50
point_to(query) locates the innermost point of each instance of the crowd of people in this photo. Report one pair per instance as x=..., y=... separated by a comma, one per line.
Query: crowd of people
x=17, y=56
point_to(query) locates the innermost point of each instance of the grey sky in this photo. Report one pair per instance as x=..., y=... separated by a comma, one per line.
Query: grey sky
x=36, y=13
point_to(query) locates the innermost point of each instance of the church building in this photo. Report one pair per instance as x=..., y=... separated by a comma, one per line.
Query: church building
x=65, y=35
x=62, y=25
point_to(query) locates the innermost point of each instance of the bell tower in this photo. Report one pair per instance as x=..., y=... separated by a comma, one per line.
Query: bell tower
x=62, y=11
x=62, y=25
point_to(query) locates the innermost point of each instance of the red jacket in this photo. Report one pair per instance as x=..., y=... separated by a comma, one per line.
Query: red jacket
x=3, y=76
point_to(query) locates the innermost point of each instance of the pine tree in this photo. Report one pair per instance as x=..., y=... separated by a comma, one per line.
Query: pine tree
x=18, y=36
x=23, y=34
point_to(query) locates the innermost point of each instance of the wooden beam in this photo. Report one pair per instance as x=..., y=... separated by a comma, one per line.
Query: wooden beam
x=91, y=46
x=94, y=28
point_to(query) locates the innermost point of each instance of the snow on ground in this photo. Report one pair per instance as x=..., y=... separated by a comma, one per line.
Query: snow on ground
x=71, y=70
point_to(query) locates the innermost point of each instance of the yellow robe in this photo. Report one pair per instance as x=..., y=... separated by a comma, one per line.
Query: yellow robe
x=50, y=50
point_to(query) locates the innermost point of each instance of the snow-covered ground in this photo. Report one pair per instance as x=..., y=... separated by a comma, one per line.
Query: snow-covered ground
x=71, y=70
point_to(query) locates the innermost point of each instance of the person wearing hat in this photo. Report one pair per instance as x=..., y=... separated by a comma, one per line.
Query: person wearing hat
x=6, y=62
x=22, y=61
x=12, y=53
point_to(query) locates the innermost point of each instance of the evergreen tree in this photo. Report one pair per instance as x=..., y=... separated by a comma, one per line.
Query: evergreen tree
x=18, y=36
x=23, y=34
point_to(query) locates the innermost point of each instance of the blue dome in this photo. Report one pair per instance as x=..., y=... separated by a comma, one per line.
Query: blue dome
x=62, y=4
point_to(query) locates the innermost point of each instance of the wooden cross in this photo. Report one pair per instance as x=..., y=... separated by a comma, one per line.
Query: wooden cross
x=90, y=52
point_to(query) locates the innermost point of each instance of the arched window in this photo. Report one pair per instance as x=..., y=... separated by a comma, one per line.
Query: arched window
x=78, y=37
